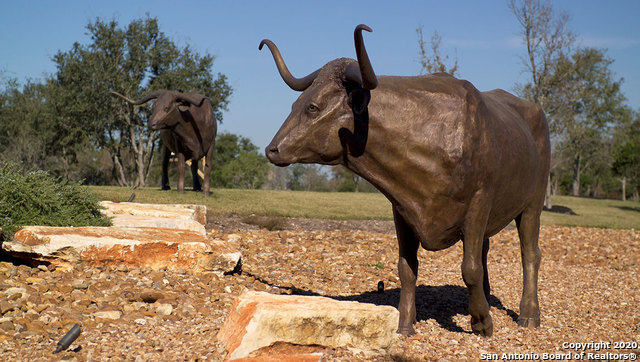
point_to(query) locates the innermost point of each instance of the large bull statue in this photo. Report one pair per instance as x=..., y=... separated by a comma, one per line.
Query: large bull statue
x=456, y=164
x=187, y=127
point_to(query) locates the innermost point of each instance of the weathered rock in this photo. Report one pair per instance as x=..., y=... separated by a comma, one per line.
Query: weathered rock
x=259, y=319
x=153, y=248
x=183, y=217
x=163, y=309
x=108, y=314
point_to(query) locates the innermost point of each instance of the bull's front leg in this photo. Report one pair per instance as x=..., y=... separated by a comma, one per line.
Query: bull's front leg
x=166, y=156
x=473, y=273
x=207, y=169
x=408, y=269
x=181, y=162
x=194, y=176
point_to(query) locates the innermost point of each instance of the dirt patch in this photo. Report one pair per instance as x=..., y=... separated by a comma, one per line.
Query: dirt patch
x=234, y=223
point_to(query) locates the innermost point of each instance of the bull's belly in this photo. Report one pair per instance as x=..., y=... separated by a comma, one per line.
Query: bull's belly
x=441, y=231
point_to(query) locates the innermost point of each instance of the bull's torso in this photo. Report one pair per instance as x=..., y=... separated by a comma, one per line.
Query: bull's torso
x=193, y=135
x=435, y=141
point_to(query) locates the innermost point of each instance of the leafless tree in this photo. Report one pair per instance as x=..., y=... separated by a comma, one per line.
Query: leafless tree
x=433, y=62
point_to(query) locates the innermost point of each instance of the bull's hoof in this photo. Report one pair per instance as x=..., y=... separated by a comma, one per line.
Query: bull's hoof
x=165, y=188
x=197, y=189
x=529, y=322
x=482, y=328
x=406, y=331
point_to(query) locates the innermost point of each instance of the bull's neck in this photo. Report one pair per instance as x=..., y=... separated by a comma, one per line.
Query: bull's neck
x=382, y=162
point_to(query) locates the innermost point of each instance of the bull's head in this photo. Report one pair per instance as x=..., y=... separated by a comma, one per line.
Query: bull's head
x=167, y=108
x=330, y=118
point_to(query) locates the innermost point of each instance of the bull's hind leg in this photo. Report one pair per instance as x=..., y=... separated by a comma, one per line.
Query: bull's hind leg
x=485, y=281
x=528, y=224
x=474, y=274
x=408, y=269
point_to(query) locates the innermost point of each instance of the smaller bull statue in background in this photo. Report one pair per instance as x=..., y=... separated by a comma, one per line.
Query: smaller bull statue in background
x=456, y=164
x=188, y=127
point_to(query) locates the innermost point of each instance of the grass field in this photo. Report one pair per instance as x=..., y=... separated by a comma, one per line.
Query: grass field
x=363, y=206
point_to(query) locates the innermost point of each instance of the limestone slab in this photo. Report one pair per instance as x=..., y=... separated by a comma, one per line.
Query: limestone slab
x=259, y=319
x=170, y=216
x=154, y=248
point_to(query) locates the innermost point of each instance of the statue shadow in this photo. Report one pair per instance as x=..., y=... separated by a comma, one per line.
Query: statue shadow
x=629, y=208
x=557, y=209
x=440, y=303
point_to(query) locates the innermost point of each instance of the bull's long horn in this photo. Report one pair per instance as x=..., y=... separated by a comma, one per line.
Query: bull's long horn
x=297, y=84
x=140, y=101
x=369, y=80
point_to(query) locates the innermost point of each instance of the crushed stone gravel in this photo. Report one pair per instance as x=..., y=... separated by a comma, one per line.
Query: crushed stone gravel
x=588, y=290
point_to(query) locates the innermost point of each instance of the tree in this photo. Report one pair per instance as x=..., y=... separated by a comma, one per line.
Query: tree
x=546, y=37
x=237, y=163
x=626, y=155
x=434, y=62
x=134, y=61
x=589, y=104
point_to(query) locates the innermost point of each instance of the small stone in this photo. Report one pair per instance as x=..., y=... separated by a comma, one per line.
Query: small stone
x=164, y=309
x=6, y=326
x=227, y=289
x=15, y=290
x=151, y=296
x=79, y=284
x=34, y=280
x=108, y=314
x=140, y=321
x=5, y=307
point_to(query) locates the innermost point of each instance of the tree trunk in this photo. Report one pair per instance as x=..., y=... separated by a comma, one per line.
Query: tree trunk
x=120, y=176
x=576, y=176
x=547, y=197
x=624, y=188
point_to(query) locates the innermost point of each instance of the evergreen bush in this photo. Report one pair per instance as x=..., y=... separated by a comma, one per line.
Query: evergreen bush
x=37, y=198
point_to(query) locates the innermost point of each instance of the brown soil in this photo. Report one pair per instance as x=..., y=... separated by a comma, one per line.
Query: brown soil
x=589, y=292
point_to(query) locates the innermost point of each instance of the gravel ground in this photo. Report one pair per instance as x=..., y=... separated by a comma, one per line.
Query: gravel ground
x=589, y=292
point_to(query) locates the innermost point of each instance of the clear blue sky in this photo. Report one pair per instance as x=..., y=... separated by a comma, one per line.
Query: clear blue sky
x=483, y=35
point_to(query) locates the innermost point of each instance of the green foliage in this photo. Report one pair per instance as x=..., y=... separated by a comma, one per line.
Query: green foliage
x=53, y=124
x=237, y=163
x=37, y=198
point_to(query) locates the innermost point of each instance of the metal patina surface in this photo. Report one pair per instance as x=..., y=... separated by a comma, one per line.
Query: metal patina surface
x=456, y=164
x=188, y=127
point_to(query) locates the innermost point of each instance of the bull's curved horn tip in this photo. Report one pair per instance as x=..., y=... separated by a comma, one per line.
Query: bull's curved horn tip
x=262, y=43
x=364, y=27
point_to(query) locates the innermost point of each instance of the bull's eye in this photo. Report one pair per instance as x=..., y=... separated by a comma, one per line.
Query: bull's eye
x=313, y=109
x=166, y=109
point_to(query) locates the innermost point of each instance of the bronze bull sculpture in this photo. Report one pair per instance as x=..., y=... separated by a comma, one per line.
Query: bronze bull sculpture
x=456, y=164
x=187, y=127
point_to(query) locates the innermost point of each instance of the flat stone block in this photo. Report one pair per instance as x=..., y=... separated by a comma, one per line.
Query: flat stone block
x=170, y=216
x=259, y=319
x=153, y=248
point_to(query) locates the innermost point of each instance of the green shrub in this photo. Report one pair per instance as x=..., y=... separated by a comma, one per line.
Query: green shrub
x=37, y=198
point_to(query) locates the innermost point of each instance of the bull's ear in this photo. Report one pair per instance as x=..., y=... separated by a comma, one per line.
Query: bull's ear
x=359, y=100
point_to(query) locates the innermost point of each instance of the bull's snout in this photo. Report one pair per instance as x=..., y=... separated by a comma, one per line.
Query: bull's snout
x=273, y=155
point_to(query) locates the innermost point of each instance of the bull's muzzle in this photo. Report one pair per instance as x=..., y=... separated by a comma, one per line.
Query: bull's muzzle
x=273, y=155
